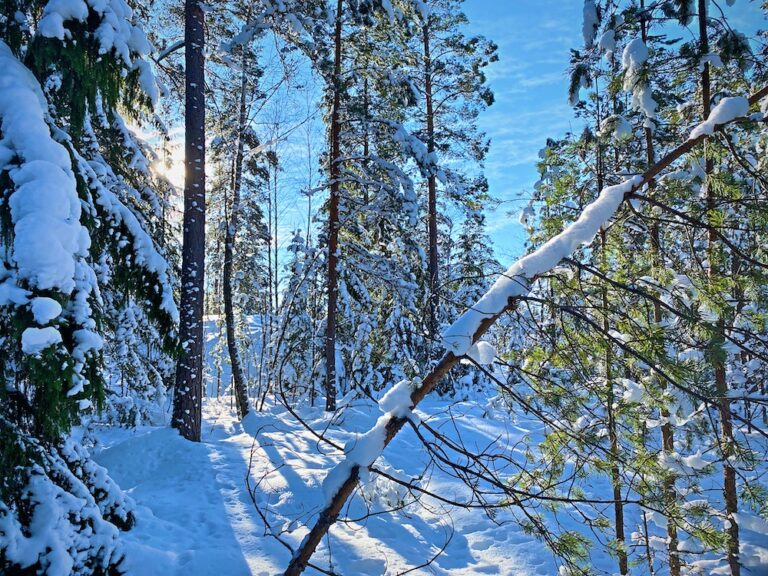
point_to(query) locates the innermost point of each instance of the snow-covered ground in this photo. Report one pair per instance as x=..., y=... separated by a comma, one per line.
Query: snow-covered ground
x=203, y=509
x=196, y=515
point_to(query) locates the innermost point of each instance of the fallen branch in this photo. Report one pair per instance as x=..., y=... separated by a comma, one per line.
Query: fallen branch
x=503, y=297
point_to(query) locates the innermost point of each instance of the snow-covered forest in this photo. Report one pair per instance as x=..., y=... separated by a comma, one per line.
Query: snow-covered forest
x=253, y=319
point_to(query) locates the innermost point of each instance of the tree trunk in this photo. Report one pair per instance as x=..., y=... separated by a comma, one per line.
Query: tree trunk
x=241, y=389
x=432, y=266
x=717, y=353
x=333, y=222
x=188, y=393
x=667, y=431
x=277, y=266
x=613, y=435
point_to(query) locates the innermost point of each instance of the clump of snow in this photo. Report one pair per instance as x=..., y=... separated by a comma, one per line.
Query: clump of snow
x=607, y=43
x=617, y=126
x=397, y=400
x=526, y=214
x=45, y=208
x=56, y=12
x=727, y=110
x=423, y=8
x=10, y=293
x=633, y=392
x=633, y=60
x=590, y=23
x=482, y=352
x=711, y=59
x=458, y=338
x=45, y=309
x=35, y=340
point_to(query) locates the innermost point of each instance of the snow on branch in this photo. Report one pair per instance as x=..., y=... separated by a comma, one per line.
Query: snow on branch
x=727, y=110
x=116, y=33
x=45, y=208
x=459, y=337
x=363, y=450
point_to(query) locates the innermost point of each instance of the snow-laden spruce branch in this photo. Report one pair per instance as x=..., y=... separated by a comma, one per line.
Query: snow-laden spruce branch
x=503, y=296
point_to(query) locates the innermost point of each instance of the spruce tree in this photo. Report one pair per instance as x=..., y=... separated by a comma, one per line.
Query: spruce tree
x=78, y=259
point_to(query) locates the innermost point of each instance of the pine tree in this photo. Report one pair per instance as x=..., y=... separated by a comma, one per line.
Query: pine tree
x=187, y=398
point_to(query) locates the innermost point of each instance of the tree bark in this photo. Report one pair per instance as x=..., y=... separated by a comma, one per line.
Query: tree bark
x=432, y=266
x=187, y=398
x=333, y=221
x=241, y=389
x=717, y=353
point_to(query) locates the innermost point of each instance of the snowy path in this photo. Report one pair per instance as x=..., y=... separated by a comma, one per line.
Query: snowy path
x=196, y=517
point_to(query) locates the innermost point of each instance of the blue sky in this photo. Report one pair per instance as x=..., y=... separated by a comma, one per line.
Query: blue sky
x=530, y=84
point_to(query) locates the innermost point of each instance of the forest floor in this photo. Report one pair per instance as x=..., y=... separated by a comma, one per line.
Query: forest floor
x=201, y=508
x=196, y=516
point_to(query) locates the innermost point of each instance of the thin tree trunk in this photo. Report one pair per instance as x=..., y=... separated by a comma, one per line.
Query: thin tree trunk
x=432, y=266
x=333, y=222
x=717, y=356
x=667, y=431
x=187, y=398
x=241, y=390
x=277, y=266
x=613, y=435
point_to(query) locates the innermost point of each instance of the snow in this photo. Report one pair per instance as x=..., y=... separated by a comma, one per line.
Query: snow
x=147, y=255
x=607, y=43
x=633, y=392
x=397, y=400
x=712, y=60
x=56, y=12
x=362, y=450
x=10, y=293
x=194, y=514
x=482, y=352
x=45, y=208
x=633, y=61
x=116, y=33
x=45, y=309
x=727, y=110
x=590, y=23
x=617, y=126
x=635, y=54
x=35, y=340
x=458, y=338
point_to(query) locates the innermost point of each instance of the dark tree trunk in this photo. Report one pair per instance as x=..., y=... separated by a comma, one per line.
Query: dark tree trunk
x=188, y=393
x=727, y=443
x=432, y=266
x=333, y=222
x=241, y=389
